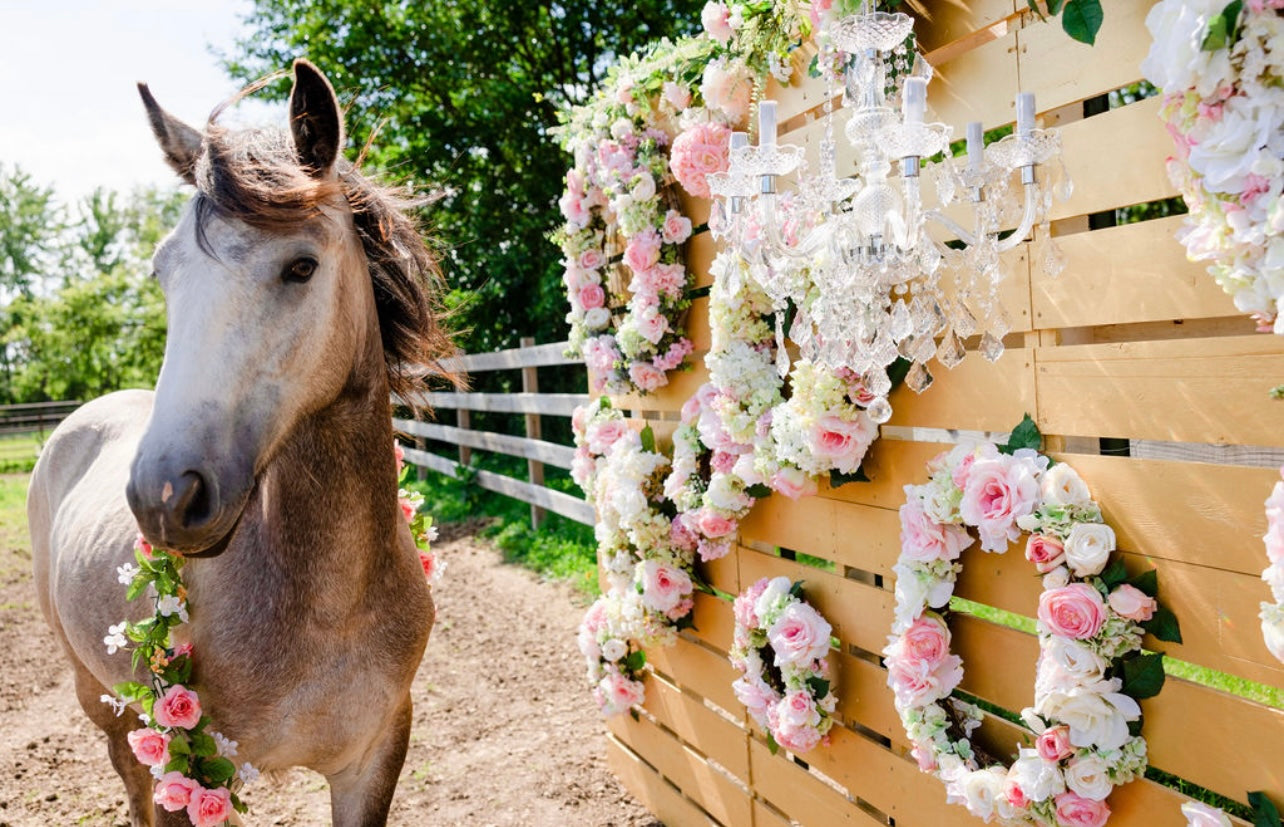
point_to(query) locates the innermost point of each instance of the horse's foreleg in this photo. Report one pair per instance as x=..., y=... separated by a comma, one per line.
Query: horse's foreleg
x=360, y=796
x=138, y=779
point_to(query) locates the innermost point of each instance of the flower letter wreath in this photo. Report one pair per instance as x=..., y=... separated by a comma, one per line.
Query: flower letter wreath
x=1091, y=618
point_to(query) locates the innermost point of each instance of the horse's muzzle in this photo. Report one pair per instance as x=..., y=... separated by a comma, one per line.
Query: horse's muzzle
x=188, y=512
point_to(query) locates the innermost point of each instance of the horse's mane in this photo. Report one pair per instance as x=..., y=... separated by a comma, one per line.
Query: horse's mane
x=253, y=175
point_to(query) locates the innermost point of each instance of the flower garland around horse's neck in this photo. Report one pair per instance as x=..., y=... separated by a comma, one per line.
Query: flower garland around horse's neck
x=193, y=764
x=1221, y=69
x=1091, y=618
x=781, y=648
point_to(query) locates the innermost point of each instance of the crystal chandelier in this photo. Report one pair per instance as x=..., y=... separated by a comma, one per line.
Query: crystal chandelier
x=872, y=271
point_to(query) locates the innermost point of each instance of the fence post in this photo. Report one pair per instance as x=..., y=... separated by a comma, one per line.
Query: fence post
x=534, y=468
x=462, y=419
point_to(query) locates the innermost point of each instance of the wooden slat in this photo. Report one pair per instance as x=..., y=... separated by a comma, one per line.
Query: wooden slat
x=697, y=328
x=695, y=668
x=976, y=395
x=1060, y=70
x=863, y=697
x=979, y=84
x=1133, y=171
x=1213, y=739
x=799, y=794
x=765, y=816
x=656, y=794
x=699, y=726
x=942, y=23
x=1134, y=273
x=700, y=252
x=714, y=622
x=553, y=353
x=536, y=449
x=854, y=535
x=427, y=459
x=1209, y=390
x=552, y=404
x=714, y=791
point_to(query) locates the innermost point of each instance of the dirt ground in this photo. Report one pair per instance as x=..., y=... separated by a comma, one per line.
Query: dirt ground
x=504, y=731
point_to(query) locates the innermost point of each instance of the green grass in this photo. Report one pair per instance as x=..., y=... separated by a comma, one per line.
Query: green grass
x=13, y=511
x=560, y=549
x=18, y=452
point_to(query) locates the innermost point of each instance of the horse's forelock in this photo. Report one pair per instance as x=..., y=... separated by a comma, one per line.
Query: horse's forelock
x=253, y=176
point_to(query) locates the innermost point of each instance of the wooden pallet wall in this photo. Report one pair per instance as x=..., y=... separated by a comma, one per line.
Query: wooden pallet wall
x=1131, y=342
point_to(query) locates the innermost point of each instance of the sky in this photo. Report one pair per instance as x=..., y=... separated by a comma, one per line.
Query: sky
x=70, y=114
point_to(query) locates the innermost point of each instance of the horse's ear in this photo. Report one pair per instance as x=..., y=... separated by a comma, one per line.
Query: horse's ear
x=315, y=120
x=181, y=143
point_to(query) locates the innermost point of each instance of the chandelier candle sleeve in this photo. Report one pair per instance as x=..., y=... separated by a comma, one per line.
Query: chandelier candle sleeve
x=975, y=146
x=1025, y=113
x=915, y=105
x=767, y=123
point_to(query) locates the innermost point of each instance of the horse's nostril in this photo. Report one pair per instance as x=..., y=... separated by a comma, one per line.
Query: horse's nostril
x=193, y=503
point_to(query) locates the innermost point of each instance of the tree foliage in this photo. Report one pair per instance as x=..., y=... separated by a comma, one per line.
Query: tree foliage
x=467, y=93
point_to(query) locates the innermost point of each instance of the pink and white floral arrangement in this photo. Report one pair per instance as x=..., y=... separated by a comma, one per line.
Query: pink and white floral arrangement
x=1091, y=618
x=1221, y=69
x=781, y=648
x=608, y=640
x=1273, y=613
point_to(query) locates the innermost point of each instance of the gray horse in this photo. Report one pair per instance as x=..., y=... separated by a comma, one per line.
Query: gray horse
x=298, y=293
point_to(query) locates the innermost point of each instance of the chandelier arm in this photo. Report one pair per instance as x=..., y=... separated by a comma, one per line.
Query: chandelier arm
x=1027, y=219
x=953, y=226
x=775, y=244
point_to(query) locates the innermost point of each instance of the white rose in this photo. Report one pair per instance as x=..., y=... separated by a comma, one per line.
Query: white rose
x=1177, y=59
x=1062, y=485
x=1225, y=153
x=614, y=649
x=1273, y=628
x=1097, y=715
x=1076, y=660
x=1055, y=579
x=597, y=318
x=1274, y=577
x=981, y=790
x=1089, y=777
x=1038, y=779
x=1202, y=815
x=744, y=469
x=723, y=493
x=1088, y=548
x=769, y=601
x=644, y=189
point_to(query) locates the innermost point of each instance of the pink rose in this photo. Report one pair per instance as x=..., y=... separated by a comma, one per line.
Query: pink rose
x=1133, y=603
x=723, y=462
x=924, y=755
x=926, y=641
x=595, y=617
x=643, y=251
x=1074, y=611
x=663, y=587
x=755, y=695
x=817, y=9
x=714, y=525
x=999, y=491
x=716, y=18
x=144, y=547
x=918, y=684
x=573, y=210
x=678, y=96
x=1045, y=551
x=174, y=790
x=150, y=747
x=209, y=808
x=652, y=327
x=647, y=377
x=592, y=259
x=793, y=483
x=727, y=86
x=407, y=508
x=182, y=649
x=841, y=442
x=399, y=454
x=797, y=709
x=676, y=229
x=742, y=608
x=925, y=540
x=698, y=152
x=616, y=693
x=799, y=636
x=1014, y=794
x=591, y=296
x=428, y=561
x=603, y=435
x=1053, y=743
x=1076, y=811
x=178, y=708
x=797, y=739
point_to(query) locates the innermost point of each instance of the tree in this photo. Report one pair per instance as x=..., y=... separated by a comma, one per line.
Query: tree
x=30, y=221
x=467, y=93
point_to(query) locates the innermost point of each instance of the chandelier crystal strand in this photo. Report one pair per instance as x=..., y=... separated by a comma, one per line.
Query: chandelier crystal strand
x=875, y=264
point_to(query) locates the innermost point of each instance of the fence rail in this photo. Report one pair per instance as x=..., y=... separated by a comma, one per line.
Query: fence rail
x=537, y=451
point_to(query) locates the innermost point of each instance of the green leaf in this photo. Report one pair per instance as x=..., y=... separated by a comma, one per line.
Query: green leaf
x=648, y=439
x=758, y=491
x=1163, y=625
x=1143, y=676
x=1025, y=435
x=813, y=68
x=898, y=370
x=178, y=763
x=1223, y=30
x=130, y=690
x=1147, y=583
x=1265, y=813
x=796, y=590
x=1115, y=572
x=137, y=586
x=635, y=661
x=772, y=745
x=203, y=744
x=178, y=745
x=239, y=805
x=217, y=771
x=1081, y=19
x=837, y=479
x=819, y=686
x=687, y=621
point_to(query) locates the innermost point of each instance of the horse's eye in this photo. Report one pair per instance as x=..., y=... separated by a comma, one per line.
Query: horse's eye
x=299, y=270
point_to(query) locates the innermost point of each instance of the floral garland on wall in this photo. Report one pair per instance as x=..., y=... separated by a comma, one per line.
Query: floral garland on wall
x=1273, y=613
x=781, y=648
x=1221, y=69
x=1091, y=618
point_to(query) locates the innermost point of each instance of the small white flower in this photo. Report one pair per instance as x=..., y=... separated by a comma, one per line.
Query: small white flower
x=226, y=746
x=247, y=773
x=117, y=704
x=157, y=771
x=116, y=638
x=170, y=605
x=125, y=574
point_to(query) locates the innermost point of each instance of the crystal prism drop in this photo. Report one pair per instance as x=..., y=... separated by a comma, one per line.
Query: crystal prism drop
x=782, y=352
x=964, y=321
x=924, y=349
x=991, y=347
x=877, y=382
x=880, y=410
x=951, y=351
x=919, y=378
x=902, y=325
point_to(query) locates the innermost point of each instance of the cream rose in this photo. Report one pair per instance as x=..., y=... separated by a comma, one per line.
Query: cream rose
x=1088, y=548
x=1062, y=485
x=1089, y=777
x=1096, y=719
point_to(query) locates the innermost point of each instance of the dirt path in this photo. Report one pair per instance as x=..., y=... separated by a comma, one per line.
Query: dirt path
x=504, y=733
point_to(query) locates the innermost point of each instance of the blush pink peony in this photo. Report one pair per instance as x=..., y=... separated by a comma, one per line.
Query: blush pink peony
x=925, y=540
x=999, y=491
x=698, y=152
